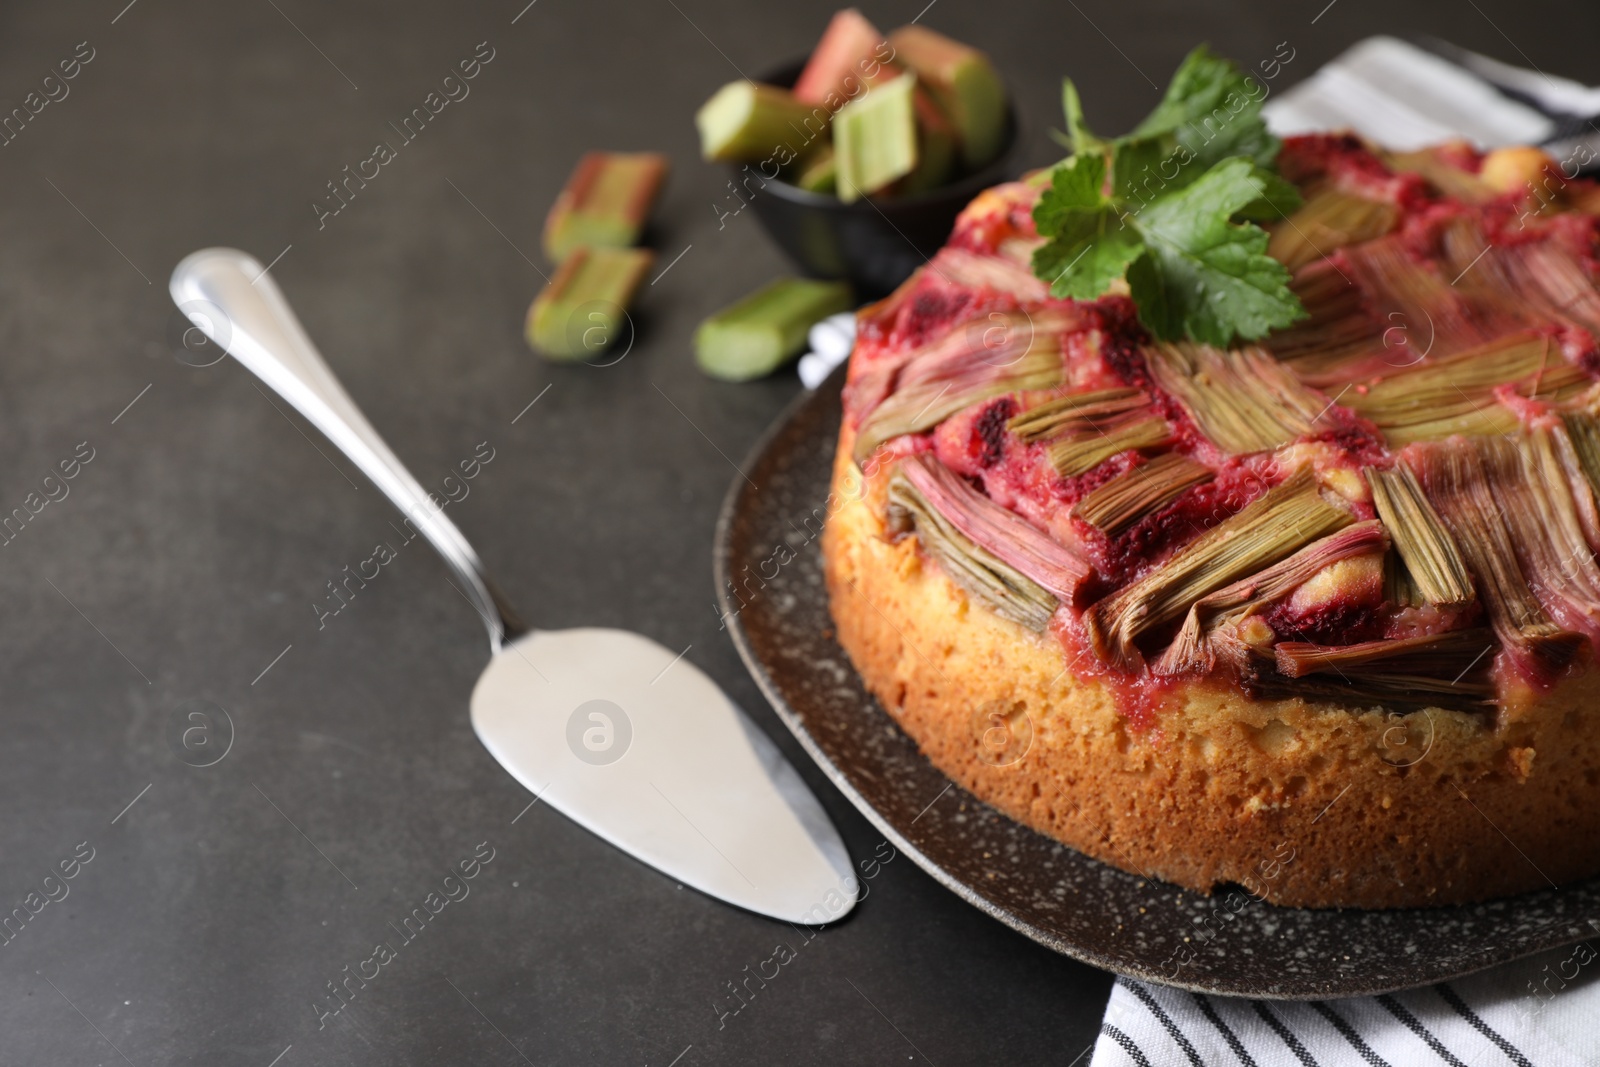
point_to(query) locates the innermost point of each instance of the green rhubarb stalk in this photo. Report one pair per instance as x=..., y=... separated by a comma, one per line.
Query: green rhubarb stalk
x=585, y=306
x=1488, y=525
x=1432, y=559
x=1216, y=627
x=747, y=121
x=1004, y=589
x=936, y=147
x=875, y=138
x=1081, y=409
x=1583, y=431
x=1458, y=393
x=1337, y=218
x=964, y=83
x=1243, y=399
x=605, y=202
x=1081, y=451
x=766, y=329
x=1368, y=688
x=956, y=384
x=1273, y=527
x=1121, y=502
x=820, y=172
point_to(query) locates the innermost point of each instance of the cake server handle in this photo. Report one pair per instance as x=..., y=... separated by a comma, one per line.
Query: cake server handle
x=229, y=296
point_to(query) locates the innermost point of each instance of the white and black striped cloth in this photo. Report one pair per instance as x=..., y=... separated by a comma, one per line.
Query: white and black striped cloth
x=1539, y=1012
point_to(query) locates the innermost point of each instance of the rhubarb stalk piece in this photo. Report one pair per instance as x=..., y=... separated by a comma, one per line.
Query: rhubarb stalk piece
x=1329, y=219
x=1211, y=626
x=1121, y=502
x=992, y=553
x=1005, y=533
x=584, y=308
x=875, y=138
x=1433, y=561
x=842, y=60
x=766, y=329
x=1081, y=451
x=1083, y=430
x=750, y=122
x=1244, y=400
x=1449, y=653
x=1341, y=334
x=1055, y=415
x=964, y=84
x=819, y=171
x=1285, y=519
x=605, y=203
x=1454, y=476
x=1458, y=394
x=1403, y=289
x=936, y=147
x=1530, y=282
x=1579, y=477
x=1441, y=166
x=1583, y=431
x=1474, y=692
x=932, y=393
x=1536, y=494
x=1442, y=670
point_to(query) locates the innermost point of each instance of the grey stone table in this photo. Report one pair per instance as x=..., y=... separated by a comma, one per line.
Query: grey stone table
x=179, y=579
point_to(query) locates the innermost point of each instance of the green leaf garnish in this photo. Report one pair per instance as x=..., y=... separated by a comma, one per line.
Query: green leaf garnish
x=1092, y=246
x=1278, y=198
x=1214, y=110
x=1215, y=277
x=1171, y=209
x=1077, y=130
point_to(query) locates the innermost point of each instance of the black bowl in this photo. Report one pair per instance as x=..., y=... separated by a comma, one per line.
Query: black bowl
x=875, y=244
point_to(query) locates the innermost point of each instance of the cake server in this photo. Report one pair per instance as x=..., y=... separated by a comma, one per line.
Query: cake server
x=610, y=728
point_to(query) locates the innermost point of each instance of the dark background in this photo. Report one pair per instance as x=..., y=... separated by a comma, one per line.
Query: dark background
x=189, y=551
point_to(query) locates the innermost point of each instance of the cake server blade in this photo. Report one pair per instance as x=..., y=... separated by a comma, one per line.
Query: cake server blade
x=639, y=746
x=613, y=730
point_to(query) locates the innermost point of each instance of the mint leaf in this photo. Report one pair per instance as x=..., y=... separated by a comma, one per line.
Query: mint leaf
x=1205, y=274
x=1200, y=81
x=1144, y=169
x=1149, y=292
x=1279, y=198
x=1211, y=141
x=1076, y=185
x=1171, y=208
x=1212, y=112
x=1213, y=109
x=1092, y=246
x=1077, y=129
x=1090, y=254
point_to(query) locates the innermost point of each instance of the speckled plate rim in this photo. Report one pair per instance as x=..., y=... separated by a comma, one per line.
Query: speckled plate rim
x=734, y=503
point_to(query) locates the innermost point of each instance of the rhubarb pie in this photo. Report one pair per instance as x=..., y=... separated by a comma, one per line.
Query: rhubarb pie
x=1313, y=615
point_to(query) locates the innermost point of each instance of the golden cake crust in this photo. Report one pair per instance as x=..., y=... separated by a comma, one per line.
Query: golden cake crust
x=1302, y=803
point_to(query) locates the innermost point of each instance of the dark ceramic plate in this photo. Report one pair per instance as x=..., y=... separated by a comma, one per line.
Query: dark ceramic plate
x=1225, y=944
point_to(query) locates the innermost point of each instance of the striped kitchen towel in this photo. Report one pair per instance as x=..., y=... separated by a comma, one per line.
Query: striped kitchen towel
x=830, y=341
x=1540, y=1012
x=1404, y=97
